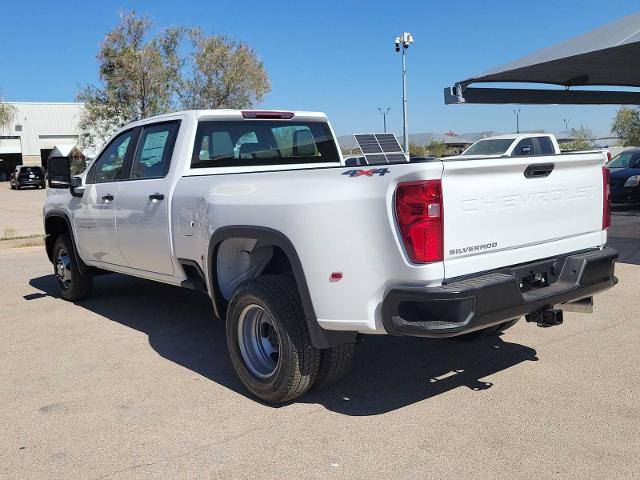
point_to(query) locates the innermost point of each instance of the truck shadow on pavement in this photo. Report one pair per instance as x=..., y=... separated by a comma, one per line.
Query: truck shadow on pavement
x=388, y=372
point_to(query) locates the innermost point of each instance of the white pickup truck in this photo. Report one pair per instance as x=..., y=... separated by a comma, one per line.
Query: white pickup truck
x=301, y=254
x=513, y=145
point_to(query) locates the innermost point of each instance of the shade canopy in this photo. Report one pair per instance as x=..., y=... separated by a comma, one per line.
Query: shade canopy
x=607, y=56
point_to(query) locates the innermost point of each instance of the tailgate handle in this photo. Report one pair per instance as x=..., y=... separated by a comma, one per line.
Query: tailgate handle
x=538, y=171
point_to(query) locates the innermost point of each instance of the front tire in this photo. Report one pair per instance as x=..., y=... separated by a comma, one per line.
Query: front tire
x=268, y=340
x=72, y=284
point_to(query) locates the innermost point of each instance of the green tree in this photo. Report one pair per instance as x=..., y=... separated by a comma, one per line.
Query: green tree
x=626, y=125
x=417, y=150
x=224, y=73
x=139, y=77
x=7, y=114
x=438, y=149
x=142, y=75
x=582, y=139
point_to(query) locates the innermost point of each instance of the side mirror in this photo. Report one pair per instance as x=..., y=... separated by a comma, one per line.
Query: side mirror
x=77, y=188
x=59, y=174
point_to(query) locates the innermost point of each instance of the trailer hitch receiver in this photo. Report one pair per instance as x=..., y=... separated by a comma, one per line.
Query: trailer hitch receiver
x=548, y=317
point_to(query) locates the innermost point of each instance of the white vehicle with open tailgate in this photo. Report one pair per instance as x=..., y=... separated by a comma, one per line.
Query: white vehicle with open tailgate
x=301, y=254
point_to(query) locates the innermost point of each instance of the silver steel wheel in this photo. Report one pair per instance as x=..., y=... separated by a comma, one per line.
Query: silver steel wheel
x=63, y=269
x=259, y=341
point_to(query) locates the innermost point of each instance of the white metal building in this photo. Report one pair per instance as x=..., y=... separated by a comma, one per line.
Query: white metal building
x=36, y=129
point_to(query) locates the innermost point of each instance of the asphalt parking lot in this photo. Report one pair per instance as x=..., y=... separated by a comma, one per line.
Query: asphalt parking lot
x=21, y=211
x=135, y=382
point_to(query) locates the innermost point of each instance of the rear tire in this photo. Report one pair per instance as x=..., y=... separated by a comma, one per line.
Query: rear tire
x=335, y=362
x=268, y=340
x=72, y=284
x=488, y=332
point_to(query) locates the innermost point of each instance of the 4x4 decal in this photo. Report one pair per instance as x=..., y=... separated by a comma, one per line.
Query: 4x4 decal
x=367, y=173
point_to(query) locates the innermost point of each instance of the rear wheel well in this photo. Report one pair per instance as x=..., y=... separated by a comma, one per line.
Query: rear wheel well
x=237, y=254
x=242, y=258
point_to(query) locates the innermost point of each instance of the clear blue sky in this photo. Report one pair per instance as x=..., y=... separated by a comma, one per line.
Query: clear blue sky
x=332, y=56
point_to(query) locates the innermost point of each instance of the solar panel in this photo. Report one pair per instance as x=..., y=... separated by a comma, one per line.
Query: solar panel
x=388, y=142
x=396, y=158
x=380, y=148
x=368, y=144
x=376, y=159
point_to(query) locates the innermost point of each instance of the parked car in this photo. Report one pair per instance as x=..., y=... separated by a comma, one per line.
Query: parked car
x=27, y=176
x=624, y=180
x=301, y=254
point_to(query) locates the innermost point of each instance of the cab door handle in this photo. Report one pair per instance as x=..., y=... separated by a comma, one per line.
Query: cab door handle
x=107, y=198
x=156, y=197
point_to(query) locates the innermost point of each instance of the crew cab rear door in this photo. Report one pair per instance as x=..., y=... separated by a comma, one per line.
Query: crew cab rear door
x=142, y=205
x=504, y=211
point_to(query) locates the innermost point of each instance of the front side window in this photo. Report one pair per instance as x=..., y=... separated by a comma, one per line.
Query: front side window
x=109, y=166
x=524, y=147
x=262, y=142
x=154, y=151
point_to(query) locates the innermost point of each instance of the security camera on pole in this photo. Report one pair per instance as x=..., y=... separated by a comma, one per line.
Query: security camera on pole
x=403, y=42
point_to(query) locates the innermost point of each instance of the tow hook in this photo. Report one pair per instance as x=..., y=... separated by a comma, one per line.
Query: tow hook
x=548, y=317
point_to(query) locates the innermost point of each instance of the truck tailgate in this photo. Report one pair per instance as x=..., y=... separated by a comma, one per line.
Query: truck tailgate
x=495, y=215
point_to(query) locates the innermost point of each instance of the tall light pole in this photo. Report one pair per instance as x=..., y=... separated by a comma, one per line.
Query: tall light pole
x=384, y=117
x=402, y=43
x=516, y=111
x=566, y=124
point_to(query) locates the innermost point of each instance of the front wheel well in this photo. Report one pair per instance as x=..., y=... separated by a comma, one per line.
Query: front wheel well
x=54, y=226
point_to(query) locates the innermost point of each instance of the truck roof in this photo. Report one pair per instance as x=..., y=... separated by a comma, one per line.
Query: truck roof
x=237, y=114
x=517, y=136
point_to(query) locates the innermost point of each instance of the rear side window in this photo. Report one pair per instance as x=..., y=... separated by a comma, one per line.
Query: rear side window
x=154, y=151
x=495, y=146
x=545, y=146
x=262, y=142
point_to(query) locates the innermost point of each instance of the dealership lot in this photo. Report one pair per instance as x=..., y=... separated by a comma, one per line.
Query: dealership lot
x=135, y=382
x=21, y=211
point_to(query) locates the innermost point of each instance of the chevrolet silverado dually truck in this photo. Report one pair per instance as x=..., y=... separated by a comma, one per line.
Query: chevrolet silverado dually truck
x=302, y=255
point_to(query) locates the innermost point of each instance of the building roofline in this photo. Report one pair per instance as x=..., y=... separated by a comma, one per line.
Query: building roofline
x=43, y=103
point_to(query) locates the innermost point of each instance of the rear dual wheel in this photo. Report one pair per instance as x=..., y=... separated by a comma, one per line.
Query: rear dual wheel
x=269, y=343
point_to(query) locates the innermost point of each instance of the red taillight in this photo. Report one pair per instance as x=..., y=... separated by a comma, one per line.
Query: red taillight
x=266, y=114
x=608, y=156
x=419, y=213
x=606, y=200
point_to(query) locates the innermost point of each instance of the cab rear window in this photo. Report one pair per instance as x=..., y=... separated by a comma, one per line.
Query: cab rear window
x=262, y=142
